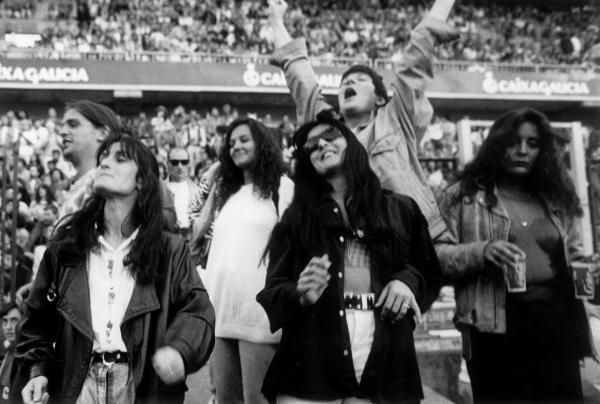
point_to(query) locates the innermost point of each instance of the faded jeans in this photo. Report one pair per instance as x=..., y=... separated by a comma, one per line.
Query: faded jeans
x=107, y=385
x=238, y=370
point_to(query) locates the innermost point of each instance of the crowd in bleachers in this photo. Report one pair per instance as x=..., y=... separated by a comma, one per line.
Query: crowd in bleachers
x=490, y=32
x=19, y=9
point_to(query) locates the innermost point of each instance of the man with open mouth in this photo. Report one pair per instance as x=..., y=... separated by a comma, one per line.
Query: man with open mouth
x=388, y=124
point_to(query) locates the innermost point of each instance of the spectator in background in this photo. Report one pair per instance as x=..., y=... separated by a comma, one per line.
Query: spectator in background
x=182, y=188
x=162, y=127
x=11, y=318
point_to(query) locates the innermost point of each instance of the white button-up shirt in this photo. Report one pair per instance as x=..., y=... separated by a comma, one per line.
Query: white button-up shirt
x=110, y=293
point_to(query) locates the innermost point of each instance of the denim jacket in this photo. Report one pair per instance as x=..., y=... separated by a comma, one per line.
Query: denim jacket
x=480, y=289
x=391, y=137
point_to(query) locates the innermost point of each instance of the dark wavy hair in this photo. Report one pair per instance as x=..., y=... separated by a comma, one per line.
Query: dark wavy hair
x=363, y=197
x=78, y=233
x=50, y=198
x=549, y=177
x=268, y=162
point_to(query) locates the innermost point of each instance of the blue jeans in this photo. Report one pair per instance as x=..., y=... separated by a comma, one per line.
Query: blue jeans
x=107, y=385
x=238, y=369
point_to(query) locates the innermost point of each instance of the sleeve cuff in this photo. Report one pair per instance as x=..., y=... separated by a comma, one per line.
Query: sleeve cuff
x=293, y=50
x=38, y=369
x=408, y=278
x=479, y=249
x=440, y=30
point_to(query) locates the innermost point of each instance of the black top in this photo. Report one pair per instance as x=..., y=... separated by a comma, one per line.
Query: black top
x=314, y=361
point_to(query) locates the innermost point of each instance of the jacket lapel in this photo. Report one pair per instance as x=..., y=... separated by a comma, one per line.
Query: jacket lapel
x=75, y=300
x=143, y=300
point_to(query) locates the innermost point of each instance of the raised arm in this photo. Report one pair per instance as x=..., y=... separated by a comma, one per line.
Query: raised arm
x=281, y=36
x=414, y=69
x=291, y=56
x=441, y=9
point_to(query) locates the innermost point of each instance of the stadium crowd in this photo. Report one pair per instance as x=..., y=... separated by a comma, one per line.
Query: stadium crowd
x=354, y=29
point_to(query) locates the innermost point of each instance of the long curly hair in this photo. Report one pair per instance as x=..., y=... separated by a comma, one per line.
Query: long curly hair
x=364, y=194
x=549, y=177
x=78, y=233
x=267, y=168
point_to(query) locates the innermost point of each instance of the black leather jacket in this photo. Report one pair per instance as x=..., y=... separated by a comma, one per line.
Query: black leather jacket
x=56, y=337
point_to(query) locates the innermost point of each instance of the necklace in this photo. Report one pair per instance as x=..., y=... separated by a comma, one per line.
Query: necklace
x=515, y=209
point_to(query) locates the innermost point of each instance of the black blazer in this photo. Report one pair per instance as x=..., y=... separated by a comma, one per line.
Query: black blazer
x=313, y=360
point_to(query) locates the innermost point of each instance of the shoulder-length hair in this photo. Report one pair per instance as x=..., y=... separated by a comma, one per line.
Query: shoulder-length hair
x=363, y=196
x=78, y=233
x=268, y=162
x=549, y=177
x=50, y=198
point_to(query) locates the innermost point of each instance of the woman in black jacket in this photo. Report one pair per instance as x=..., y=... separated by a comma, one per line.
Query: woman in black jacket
x=350, y=268
x=117, y=312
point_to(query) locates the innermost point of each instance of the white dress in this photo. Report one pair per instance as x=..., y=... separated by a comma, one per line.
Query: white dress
x=234, y=270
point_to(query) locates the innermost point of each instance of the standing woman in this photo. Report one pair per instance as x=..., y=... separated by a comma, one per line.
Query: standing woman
x=117, y=312
x=350, y=264
x=250, y=195
x=516, y=199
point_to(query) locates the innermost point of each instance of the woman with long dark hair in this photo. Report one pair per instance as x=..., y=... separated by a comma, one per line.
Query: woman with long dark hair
x=249, y=195
x=43, y=199
x=350, y=264
x=513, y=208
x=117, y=312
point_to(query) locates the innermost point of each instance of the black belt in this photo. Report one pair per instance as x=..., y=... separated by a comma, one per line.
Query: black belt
x=108, y=358
x=359, y=301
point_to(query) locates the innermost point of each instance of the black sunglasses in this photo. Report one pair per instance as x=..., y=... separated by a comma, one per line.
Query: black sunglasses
x=182, y=162
x=312, y=144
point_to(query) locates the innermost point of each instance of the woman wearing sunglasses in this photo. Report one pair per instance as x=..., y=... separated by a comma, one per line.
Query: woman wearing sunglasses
x=249, y=196
x=350, y=268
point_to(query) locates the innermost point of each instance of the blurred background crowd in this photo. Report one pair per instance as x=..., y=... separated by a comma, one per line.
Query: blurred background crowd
x=370, y=29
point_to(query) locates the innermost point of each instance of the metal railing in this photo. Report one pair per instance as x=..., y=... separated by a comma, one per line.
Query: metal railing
x=383, y=64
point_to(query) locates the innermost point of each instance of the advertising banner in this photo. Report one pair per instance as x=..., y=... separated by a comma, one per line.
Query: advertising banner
x=474, y=83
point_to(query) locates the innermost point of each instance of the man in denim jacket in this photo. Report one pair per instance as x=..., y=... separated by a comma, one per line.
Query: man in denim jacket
x=388, y=127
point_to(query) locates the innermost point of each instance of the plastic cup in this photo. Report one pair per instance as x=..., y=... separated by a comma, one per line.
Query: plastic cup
x=583, y=280
x=515, y=276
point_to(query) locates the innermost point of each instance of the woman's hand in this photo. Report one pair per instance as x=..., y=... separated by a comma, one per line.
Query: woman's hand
x=502, y=253
x=395, y=300
x=313, y=280
x=35, y=391
x=168, y=365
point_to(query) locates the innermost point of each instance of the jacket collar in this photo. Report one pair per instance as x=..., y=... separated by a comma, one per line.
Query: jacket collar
x=143, y=300
x=499, y=209
x=75, y=300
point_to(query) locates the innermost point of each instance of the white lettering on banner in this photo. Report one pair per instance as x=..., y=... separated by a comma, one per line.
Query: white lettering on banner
x=44, y=74
x=519, y=86
x=254, y=78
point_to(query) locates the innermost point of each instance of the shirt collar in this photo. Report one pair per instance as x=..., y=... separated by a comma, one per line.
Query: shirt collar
x=124, y=244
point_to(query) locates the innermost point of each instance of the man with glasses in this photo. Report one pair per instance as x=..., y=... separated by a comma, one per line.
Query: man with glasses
x=182, y=188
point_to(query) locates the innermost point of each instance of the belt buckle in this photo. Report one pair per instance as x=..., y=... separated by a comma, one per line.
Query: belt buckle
x=105, y=362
